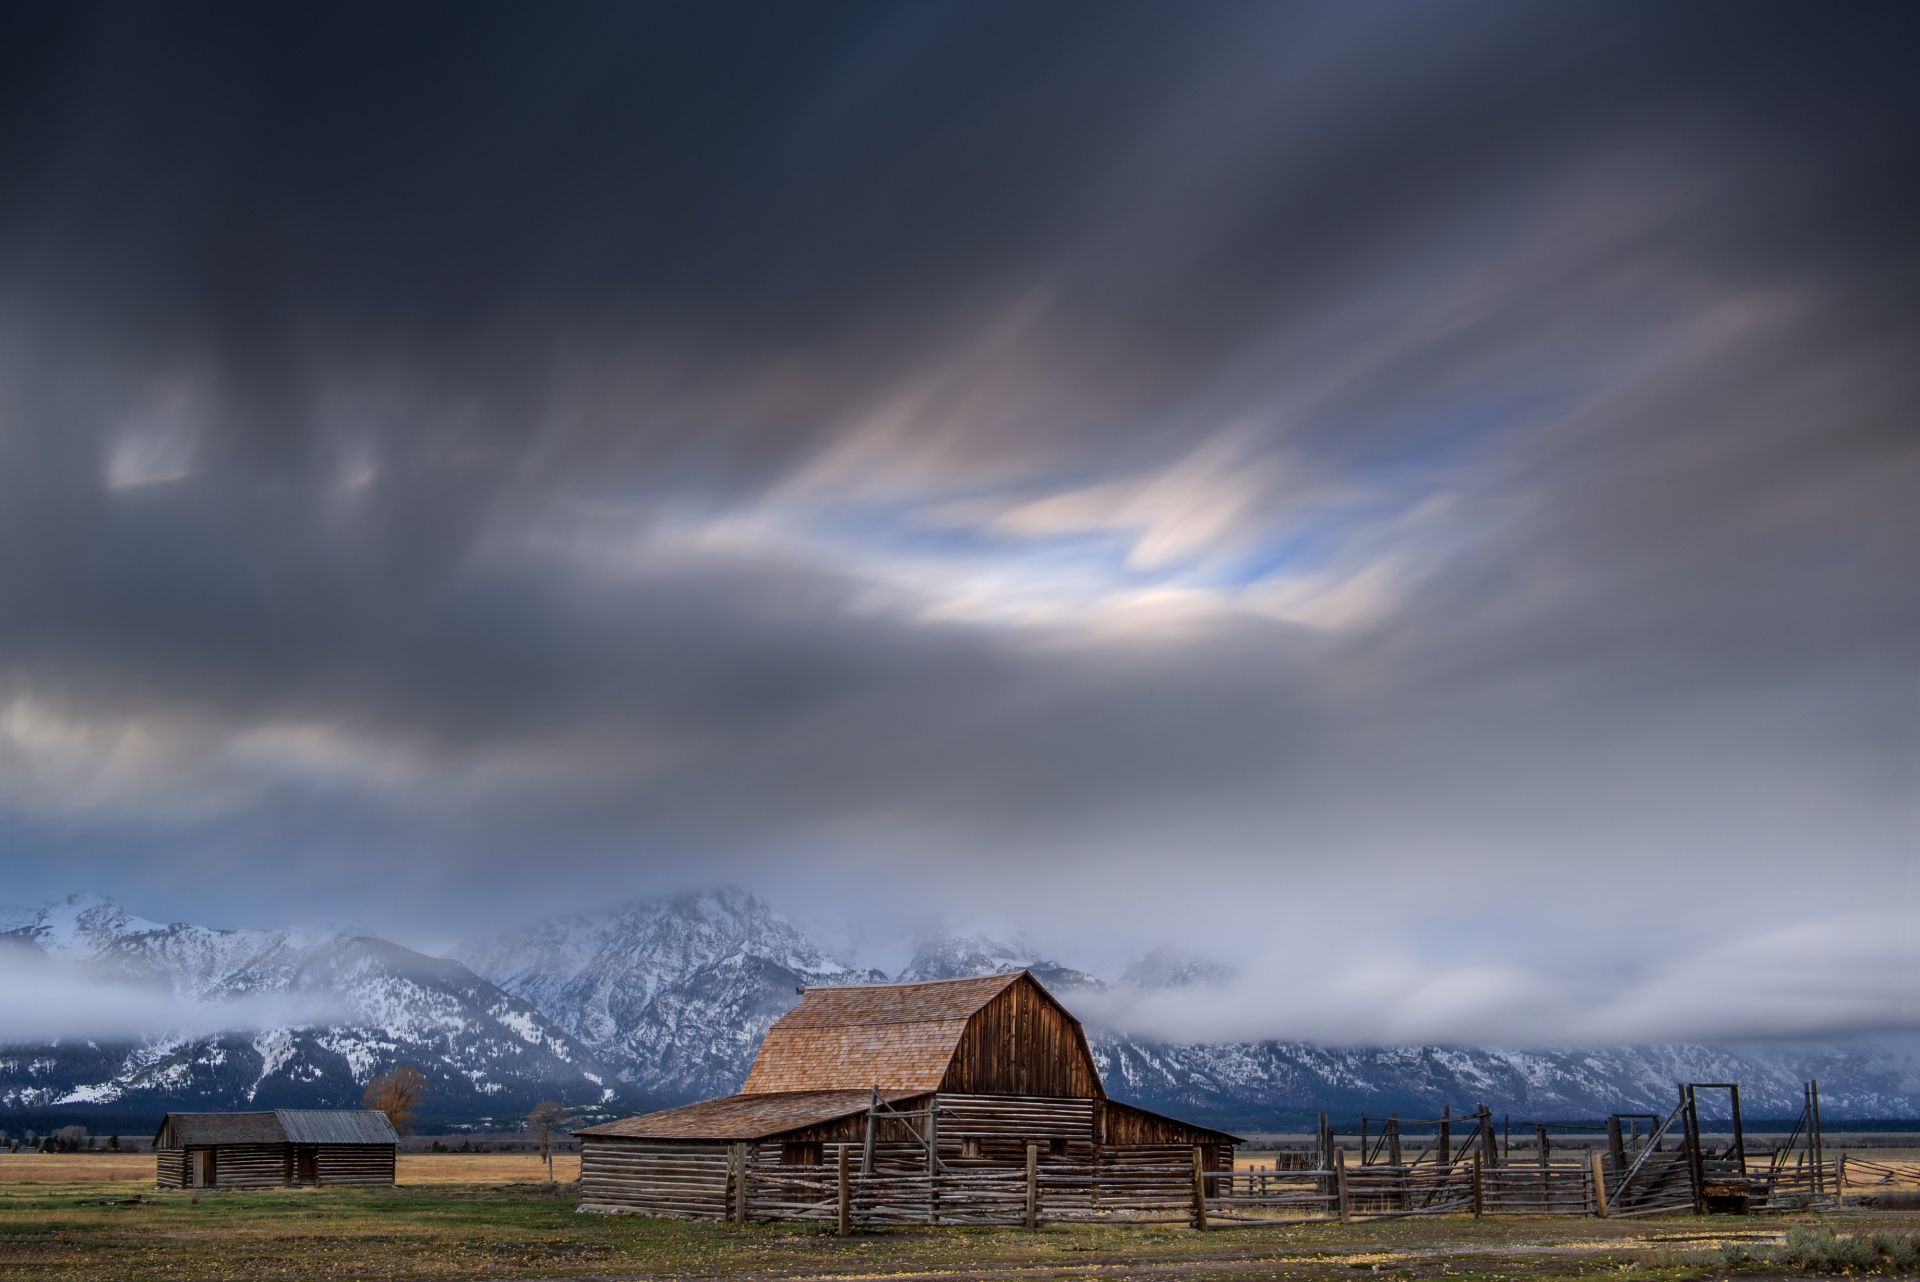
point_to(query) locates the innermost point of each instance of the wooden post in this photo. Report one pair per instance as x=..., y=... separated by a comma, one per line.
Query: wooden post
x=1479, y=1189
x=1033, y=1186
x=737, y=1161
x=1446, y=1135
x=873, y=1120
x=1340, y=1185
x=1819, y=1138
x=1616, y=1146
x=1363, y=1139
x=933, y=1160
x=843, y=1218
x=1199, y=1188
x=1840, y=1182
x=1506, y=1136
x=1739, y=1133
x=1392, y=1138
x=1487, y=1149
x=1696, y=1168
x=1599, y=1183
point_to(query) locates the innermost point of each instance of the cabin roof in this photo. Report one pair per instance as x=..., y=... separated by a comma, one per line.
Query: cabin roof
x=900, y=1036
x=744, y=1117
x=221, y=1128
x=282, y=1126
x=336, y=1126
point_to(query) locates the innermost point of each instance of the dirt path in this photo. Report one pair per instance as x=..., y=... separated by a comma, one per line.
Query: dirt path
x=1338, y=1261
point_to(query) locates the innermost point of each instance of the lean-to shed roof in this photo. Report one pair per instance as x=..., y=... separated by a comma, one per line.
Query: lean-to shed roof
x=743, y=1117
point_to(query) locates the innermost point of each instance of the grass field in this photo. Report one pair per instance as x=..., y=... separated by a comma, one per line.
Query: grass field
x=94, y=1225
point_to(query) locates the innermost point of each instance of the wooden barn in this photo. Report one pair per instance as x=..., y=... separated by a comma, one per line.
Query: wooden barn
x=289, y=1146
x=940, y=1076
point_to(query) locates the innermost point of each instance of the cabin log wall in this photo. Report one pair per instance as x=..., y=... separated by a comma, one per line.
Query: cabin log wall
x=247, y=1166
x=170, y=1168
x=354, y=1164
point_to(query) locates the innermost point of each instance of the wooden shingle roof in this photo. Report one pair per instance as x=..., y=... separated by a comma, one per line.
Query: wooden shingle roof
x=743, y=1117
x=182, y=1129
x=900, y=1037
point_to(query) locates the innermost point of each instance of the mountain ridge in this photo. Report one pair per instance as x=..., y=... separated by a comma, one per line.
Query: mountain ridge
x=664, y=1000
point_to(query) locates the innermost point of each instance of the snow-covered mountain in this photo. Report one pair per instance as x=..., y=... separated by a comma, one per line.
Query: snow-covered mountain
x=674, y=994
x=1276, y=1083
x=952, y=954
x=666, y=1000
x=193, y=1016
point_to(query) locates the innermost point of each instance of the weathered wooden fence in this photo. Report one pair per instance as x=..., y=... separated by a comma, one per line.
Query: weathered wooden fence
x=1188, y=1192
x=1170, y=1192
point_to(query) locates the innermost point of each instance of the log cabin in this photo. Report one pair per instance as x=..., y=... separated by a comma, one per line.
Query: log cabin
x=944, y=1075
x=278, y=1149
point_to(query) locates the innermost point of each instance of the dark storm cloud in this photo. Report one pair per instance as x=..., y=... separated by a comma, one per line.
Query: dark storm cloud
x=1359, y=458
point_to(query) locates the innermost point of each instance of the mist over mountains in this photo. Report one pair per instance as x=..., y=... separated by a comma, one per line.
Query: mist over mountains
x=665, y=1000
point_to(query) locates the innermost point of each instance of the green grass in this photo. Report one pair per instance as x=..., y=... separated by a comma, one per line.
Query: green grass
x=50, y=1231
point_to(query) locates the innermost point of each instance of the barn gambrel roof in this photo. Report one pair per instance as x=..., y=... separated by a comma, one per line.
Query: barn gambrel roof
x=900, y=1037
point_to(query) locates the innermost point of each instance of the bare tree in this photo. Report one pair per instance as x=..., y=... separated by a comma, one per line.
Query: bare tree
x=546, y=1118
x=397, y=1094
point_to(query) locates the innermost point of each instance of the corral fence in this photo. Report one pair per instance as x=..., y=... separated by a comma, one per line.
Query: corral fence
x=1189, y=1192
x=1169, y=1192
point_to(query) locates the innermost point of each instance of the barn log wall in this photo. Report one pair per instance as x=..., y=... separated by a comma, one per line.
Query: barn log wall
x=1003, y=1126
x=170, y=1168
x=687, y=1179
x=1023, y=1043
x=354, y=1163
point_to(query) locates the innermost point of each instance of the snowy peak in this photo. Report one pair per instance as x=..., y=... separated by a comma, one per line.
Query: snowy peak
x=1168, y=967
x=959, y=953
x=674, y=993
x=273, y=1017
x=80, y=926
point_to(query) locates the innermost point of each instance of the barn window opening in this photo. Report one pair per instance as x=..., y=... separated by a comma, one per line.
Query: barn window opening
x=970, y=1147
x=802, y=1154
x=1056, y=1148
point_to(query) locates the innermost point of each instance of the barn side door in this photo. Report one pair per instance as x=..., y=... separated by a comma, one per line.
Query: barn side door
x=201, y=1169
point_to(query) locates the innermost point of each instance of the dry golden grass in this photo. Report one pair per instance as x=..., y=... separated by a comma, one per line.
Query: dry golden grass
x=415, y=1168
x=74, y=1168
x=484, y=1168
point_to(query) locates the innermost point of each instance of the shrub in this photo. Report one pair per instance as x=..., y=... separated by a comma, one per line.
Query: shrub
x=1821, y=1250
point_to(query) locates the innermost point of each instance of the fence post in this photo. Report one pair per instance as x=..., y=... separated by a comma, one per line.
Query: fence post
x=737, y=1159
x=1479, y=1189
x=1199, y=1188
x=1340, y=1185
x=843, y=1217
x=1033, y=1186
x=1599, y=1183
